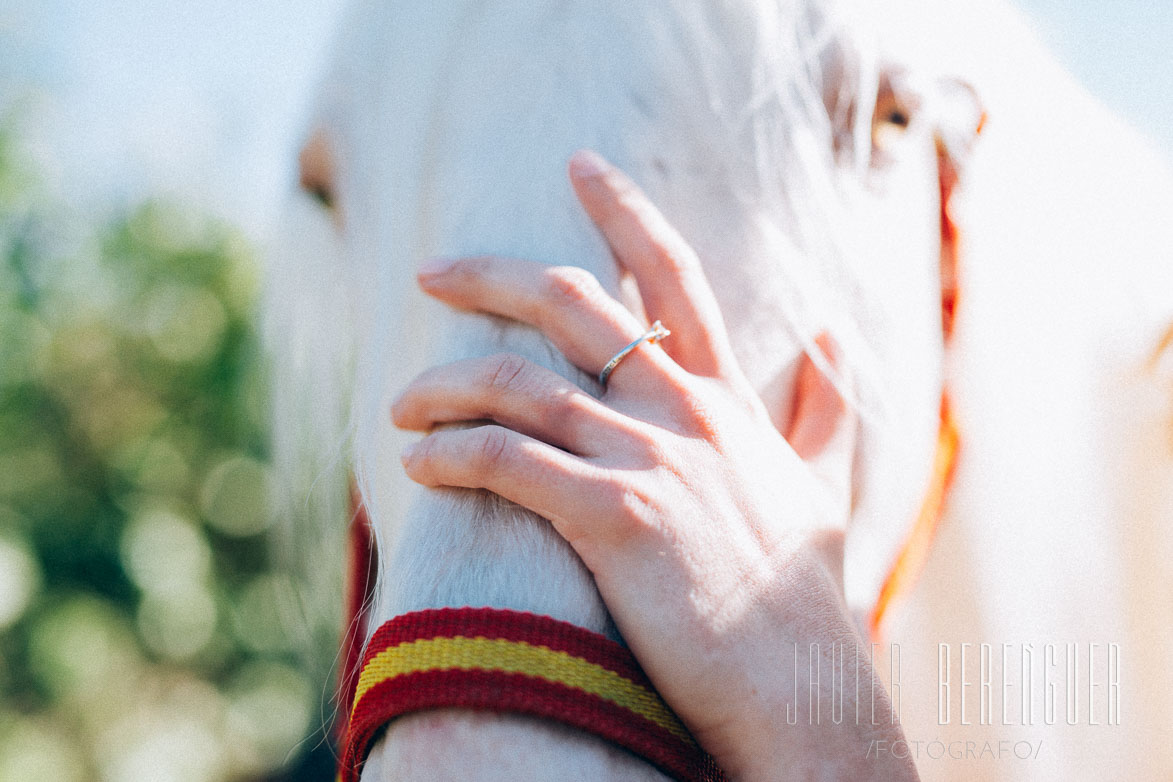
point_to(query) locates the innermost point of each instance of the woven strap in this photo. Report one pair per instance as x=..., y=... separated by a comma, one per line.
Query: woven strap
x=508, y=661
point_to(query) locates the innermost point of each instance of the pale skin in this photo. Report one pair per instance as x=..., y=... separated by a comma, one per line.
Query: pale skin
x=714, y=568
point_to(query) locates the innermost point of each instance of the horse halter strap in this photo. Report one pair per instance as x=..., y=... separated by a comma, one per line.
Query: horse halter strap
x=510, y=661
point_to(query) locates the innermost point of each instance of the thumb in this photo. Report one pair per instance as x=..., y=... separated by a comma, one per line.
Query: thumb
x=823, y=428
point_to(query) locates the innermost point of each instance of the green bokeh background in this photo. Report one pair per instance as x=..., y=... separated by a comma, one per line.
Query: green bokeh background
x=142, y=629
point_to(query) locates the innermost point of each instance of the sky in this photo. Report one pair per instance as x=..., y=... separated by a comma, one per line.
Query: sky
x=198, y=99
x=1122, y=51
x=205, y=99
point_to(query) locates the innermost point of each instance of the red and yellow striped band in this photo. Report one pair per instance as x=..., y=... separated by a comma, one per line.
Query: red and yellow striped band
x=509, y=661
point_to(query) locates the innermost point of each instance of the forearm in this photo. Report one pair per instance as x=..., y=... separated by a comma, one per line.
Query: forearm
x=815, y=708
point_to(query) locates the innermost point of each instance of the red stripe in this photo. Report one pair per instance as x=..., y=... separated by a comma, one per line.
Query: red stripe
x=504, y=692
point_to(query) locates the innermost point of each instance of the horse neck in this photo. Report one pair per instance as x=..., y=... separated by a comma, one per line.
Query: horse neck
x=453, y=171
x=461, y=547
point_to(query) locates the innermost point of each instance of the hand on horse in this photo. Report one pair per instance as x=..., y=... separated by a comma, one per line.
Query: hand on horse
x=715, y=542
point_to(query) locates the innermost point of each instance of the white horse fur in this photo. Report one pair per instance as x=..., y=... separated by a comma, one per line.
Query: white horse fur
x=750, y=123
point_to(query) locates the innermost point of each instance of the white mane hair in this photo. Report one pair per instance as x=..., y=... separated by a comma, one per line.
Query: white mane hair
x=748, y=122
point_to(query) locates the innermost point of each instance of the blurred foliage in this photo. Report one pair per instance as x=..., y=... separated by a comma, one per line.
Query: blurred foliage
x=140, y=630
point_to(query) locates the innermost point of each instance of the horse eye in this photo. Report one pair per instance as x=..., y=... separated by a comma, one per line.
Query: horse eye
x=316, y=170
x=320, y=193
x=897, y=117
x=891, y=111
x=892, y=118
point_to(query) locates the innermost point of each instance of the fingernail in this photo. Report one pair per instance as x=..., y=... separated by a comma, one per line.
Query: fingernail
x=434, y=267
x=587, y=163
x=407, y=453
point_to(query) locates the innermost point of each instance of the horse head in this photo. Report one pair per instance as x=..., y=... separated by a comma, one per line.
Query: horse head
x=808, y=172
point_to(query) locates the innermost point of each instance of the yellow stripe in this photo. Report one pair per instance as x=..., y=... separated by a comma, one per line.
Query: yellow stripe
x=495, y=654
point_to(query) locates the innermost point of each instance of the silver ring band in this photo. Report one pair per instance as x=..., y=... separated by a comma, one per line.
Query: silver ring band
x=653, y=335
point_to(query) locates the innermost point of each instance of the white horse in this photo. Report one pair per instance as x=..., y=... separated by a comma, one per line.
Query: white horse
x=803, y=149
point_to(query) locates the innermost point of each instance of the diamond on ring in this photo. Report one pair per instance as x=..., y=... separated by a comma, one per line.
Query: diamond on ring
x=653, y=335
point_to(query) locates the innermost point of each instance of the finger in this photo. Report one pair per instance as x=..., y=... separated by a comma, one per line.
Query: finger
x=670, y=278
x=823, y=429
x=515, y=393
x=565, y=303
x=552, y=483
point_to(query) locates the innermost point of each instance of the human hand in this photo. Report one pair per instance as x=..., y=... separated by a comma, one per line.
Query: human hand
x=715, y=542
